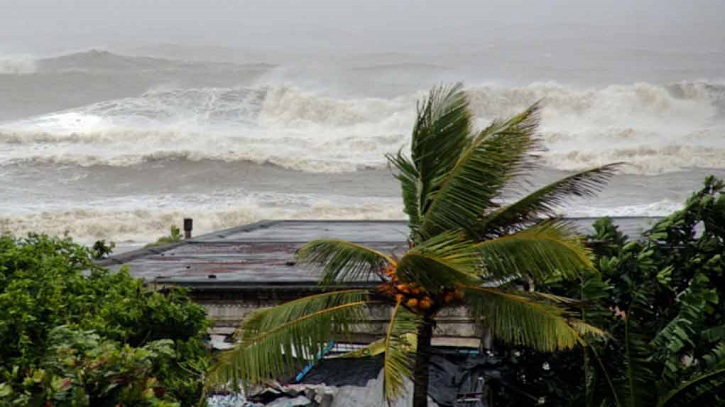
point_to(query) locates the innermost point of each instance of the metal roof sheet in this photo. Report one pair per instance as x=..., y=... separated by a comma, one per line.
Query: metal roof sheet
x=262, y=254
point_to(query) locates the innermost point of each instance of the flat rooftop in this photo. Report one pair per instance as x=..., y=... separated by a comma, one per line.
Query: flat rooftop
x=262, y=254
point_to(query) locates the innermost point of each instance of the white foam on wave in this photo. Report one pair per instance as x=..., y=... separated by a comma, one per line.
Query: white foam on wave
x=655, y=128
x=660, y=208
x=140, y=218
x=145, y=225
x=282, y=126
x=124, y=223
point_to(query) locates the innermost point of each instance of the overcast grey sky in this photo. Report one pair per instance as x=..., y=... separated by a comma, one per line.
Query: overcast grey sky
x=47, y=26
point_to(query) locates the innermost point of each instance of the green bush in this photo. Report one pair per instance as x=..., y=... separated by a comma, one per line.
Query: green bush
x=82, y=369
x=659, y=299
x=174, y=236
x=54, y=299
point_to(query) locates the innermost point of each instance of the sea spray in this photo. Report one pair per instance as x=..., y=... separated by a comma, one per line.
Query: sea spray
x=120, y=147
x=655, y=128
x=17, y=65
x=145, y=225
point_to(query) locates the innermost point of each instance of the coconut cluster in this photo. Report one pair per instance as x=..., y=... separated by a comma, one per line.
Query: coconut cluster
x=415, y=297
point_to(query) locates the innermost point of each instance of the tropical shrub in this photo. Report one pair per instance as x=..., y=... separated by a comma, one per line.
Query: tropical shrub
x=54, y=300
x=660, y=301
x=174, y=236
x=81, y=369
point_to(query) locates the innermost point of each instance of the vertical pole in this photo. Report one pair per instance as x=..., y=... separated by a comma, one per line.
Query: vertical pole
x=188, y=226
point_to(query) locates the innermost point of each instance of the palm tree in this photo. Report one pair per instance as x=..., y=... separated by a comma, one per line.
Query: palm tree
x=465, y=248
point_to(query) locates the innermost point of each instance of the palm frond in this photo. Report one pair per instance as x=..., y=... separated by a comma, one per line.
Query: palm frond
x=343, y=261
x=445, y=260
x=461, y=195
x=373, y=348
x=440, y=133
x=276, y=341
x=544, y=201
x=521, y=319
x=540, y=252
x=410, y=185
x=399, y=352
x=705, y=390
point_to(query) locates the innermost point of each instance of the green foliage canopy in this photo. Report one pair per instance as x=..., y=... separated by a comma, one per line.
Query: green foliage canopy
x=47, y=283
x=660, y=300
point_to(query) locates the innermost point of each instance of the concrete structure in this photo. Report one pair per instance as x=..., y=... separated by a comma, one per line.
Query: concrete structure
x=235, y=271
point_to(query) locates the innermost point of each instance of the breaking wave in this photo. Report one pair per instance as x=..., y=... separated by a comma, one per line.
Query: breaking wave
x=654, y=128
x=95, y=60
x=17, y=65
x=138, y=224
x=146, y=225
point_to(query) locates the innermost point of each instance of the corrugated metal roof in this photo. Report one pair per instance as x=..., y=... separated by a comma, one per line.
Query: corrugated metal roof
x=262, y=254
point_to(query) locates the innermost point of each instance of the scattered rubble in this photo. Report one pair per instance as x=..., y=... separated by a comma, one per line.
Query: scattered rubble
x=359, y=383
x=293, y=395
x=228, y=400
x=314, y=395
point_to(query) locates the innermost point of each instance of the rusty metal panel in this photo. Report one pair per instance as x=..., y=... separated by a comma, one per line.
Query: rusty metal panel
x=304, y=231
x=263, y=253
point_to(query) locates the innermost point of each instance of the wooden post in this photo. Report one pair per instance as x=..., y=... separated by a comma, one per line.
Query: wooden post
x=188, y=226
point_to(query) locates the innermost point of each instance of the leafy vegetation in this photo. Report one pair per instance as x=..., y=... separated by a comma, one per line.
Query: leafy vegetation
x=101, y=249
x=174, y=236
x=81, y=369
x=660, y=301
x=464, y=248
x=74, y=334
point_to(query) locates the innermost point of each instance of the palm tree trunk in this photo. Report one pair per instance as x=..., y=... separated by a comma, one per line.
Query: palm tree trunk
x=422, y=362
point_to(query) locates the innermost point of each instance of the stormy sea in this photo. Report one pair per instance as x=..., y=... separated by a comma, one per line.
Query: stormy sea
x=121, y=144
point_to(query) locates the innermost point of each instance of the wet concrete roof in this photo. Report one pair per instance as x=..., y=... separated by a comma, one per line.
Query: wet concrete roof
x=262, y=254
